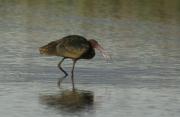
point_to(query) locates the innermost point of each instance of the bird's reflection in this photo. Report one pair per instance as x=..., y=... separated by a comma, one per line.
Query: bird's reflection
x=68, y=100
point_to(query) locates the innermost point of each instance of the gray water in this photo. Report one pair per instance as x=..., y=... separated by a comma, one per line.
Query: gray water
x=143, y=38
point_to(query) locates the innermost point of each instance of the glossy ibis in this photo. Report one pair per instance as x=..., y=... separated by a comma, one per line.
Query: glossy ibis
x=74, y=47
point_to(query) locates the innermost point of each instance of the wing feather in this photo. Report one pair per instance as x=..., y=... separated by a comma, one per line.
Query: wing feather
x=72, y=48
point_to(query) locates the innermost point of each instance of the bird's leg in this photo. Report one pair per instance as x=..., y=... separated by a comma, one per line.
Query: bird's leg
x=66, y=74
x=72, y=75
x=59, y=65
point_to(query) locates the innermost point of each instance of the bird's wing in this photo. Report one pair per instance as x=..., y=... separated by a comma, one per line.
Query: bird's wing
x=72, y=48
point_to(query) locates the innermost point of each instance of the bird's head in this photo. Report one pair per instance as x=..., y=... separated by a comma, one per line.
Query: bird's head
x=49, y=49
x=97, y=46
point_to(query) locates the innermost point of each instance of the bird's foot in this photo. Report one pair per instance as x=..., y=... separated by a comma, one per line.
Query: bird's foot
x=60, y=80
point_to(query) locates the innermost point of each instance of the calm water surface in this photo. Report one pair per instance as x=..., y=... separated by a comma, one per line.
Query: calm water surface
x=142, y=80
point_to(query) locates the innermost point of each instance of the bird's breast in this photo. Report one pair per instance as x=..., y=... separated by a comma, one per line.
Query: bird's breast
x=88, y=54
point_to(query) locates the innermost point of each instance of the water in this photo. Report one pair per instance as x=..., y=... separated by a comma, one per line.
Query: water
x=142, y=80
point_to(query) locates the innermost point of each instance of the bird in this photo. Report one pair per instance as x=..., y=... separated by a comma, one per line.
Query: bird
x=73, y=47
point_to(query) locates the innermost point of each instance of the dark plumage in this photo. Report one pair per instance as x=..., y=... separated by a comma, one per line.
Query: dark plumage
x=74, y=47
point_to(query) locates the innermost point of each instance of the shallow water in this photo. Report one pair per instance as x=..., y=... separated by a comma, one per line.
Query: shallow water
x=142, y=80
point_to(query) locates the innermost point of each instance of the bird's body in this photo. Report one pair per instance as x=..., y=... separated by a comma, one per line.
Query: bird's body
x=74, y=47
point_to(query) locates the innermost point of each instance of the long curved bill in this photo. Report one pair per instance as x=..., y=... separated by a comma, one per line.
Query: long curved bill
x=103, y=52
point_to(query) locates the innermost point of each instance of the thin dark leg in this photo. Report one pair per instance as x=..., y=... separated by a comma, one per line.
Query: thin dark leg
x=59, y=66
x=66, y=74
x=72, y=75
